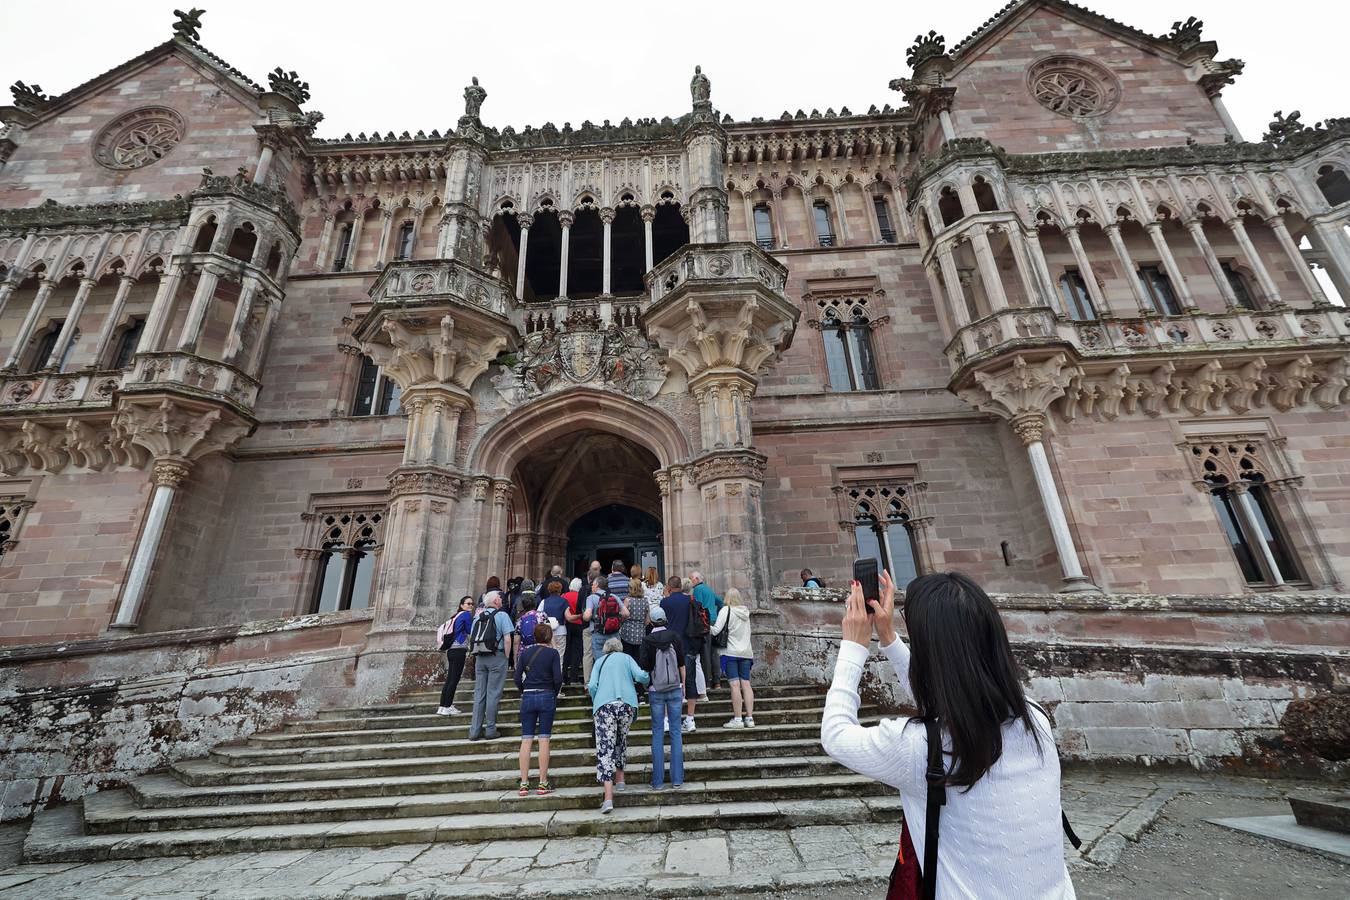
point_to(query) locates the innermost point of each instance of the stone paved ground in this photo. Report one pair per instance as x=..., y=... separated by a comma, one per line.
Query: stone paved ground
x=1181, y=856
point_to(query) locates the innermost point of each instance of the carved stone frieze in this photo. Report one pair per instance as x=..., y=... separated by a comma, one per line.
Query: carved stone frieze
x=180, y=428
x=1021, y=388
x=57, y=215
x=719, y=466
x=429, y=480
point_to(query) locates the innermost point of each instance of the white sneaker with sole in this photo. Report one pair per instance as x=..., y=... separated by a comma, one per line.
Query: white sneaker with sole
x=445, y=711
x=607, y=807
x=749, y=721
x=735, y=723
x=688, y=726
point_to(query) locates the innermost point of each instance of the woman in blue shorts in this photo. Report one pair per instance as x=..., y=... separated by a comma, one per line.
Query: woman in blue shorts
x=737, y=659
x=539, y=677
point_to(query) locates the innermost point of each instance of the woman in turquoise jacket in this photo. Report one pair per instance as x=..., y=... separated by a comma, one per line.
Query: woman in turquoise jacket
x=614, y=705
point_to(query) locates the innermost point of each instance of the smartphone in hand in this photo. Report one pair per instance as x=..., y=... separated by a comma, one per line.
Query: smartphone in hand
x=865, y=573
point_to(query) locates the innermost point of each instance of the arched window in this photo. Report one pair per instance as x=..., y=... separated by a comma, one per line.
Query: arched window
x=824, y=229
x=949, y=207
x=884, y=225
x=344, y=248
x=985, y=201
x=127, y=342
x=1077, y=300
x=883, y=530
x=1334, y=185
x=1242, y=291
x=1158, y=288
x=763, y=227
x=376, y=393
x=346, y=564
x=849, y=360
x=405, y=241
x=46, y=344
x=1246, y=510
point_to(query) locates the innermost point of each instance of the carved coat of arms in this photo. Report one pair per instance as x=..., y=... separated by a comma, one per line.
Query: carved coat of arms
x=583, y=353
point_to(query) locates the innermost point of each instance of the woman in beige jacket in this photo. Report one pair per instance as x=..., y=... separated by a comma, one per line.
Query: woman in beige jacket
x=737, y=658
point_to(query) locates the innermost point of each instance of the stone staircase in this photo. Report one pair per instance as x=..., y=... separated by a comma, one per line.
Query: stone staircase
x=398, y=773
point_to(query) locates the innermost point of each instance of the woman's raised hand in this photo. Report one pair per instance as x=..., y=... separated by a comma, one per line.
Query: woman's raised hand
x=857, y=624
x=883, y=611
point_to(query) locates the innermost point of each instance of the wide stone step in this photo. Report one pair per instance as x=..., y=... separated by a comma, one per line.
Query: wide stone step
x=116, y=812
x=209, y=772
x=56, y=834
x=452, y=742
x=568, y=710
x=465, y=692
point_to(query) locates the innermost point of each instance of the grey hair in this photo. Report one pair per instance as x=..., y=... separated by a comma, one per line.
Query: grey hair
x=490, y=596
x=613, y=645
x=696, y=575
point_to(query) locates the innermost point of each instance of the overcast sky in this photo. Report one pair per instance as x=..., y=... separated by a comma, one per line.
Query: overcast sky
x=403, y=66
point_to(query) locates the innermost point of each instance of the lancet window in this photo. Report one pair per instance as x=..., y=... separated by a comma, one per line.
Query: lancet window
x=885, y=523
x=349, y=541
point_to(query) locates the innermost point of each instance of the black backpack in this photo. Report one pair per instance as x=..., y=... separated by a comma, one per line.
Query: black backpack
x=483, y=637
x=698, y=620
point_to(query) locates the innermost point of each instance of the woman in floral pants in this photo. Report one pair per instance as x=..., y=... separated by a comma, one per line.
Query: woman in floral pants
x=614, y=706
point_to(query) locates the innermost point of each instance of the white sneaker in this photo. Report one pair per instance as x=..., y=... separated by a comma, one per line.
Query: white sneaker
x=749, y=721
x=735, y=723
x=445, y=710
x=688, y=726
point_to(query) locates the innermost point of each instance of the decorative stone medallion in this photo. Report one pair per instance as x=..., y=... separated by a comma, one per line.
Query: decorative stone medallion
x=139, y=138
x=1073, y=87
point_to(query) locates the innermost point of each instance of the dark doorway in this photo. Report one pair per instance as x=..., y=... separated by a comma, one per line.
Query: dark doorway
x=614, y=532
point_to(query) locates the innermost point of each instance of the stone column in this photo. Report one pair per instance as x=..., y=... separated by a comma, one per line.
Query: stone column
x=7, y=287
x=1085, y=270
x=1026, y=275
x=951, y=281
x=565, y=222
x=606, y=219
x=1331, y=235
x=1229, y=125
x=416, y=231
x=1029, y=428
x=839, y=213
x=648, y=216
x=1155, y=233
x=520, y=258
x=1254, y=260
x=1196, y=229
x=731, y=483
x=105, y=333
x=1042, y=269
x=1305, y=275
x=1131, y=270
x=67, y=335
x=325, y=240
x=382, y=252
x=1251, y=516
x=948, y=129
x=358, y=220
x=234, y=343
x=776, y=217
x=46, y=285
x=206, y=289
x=169, y=475
x=347, y=374
x=161, y=311
x=984, y=258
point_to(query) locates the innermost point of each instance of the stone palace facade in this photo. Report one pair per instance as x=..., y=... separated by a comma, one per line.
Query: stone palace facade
x=271, y=400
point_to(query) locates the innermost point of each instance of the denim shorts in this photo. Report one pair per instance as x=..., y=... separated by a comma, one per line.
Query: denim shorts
x=536, y=714
x=736, y=668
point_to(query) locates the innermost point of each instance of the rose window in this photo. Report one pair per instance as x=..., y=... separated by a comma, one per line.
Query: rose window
x=139, y=138
x=1073, y=87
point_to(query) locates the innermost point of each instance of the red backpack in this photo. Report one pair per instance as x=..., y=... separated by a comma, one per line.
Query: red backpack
x=610, y=612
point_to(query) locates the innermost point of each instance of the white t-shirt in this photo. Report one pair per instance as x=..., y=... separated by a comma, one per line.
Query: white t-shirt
x=1002, y=837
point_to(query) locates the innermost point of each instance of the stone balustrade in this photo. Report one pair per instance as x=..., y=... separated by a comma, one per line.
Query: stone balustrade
x=185, y=372
x=713, y=263
x=42, y=390
x=1235, y=329
x=433, y=282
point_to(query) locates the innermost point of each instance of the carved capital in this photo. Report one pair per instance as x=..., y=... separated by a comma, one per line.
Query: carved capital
x=176, y=428
x=480, y=488
x=171, y=473
x=743, y=464
x=501, y=491
x=1030, y=427
x=434, y=481
x=1021, y=388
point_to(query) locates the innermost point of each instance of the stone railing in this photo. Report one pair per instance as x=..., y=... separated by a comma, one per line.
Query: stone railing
x=238, y=185
x=712, y=263
x=193, y=375
x=1017, y=327
x=60, y=390
x=435, y=281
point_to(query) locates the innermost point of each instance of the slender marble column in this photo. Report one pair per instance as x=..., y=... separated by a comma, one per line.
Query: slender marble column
x=110, y=321
x=264, y=165
x=67, y=335
x=840, y=215
x=566, y=224
x=1197, y=232
x=234, y=343
x=607, y=219
x=948, y=129
x=648, y=216
x=382, y=254
x=169, y=475
x=520, y=258
x=1042, y=269
x=1254, y=260
x=1085, y=270
x=1295, y=255
x=1131, y=271
x=951, y=280
x=206, y=289
x=776, y=216
x=1030, y=429
x=1155, y=233
x=1229, y=125
x=1255, y=536
x=993, y=281
x=25, y=332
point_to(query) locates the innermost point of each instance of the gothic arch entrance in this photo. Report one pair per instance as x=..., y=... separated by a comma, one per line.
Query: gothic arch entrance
x=611, y=532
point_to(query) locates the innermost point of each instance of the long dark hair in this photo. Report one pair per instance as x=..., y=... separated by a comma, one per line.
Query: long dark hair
x=962, y=670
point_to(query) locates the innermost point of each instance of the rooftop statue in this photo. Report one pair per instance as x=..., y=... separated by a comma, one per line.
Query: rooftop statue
x=473, y=99
x=188, y=23
x=700, y=87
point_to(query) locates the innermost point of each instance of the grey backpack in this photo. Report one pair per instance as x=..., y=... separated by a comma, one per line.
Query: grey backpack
x=666, y=670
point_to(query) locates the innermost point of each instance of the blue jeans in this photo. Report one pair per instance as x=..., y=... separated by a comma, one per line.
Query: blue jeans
x=537, y=709
x=598, y=643
x=666, y=714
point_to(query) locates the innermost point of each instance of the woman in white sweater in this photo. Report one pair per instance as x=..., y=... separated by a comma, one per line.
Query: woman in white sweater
x=737, y=658
x=1000, y=827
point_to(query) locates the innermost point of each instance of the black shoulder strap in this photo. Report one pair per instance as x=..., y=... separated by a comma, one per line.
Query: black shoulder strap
x=937, y=798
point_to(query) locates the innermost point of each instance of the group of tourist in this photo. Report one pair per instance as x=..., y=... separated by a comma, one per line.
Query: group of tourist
x=626, y=636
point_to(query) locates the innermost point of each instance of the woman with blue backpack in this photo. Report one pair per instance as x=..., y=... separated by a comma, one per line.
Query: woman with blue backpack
x=453, y=638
